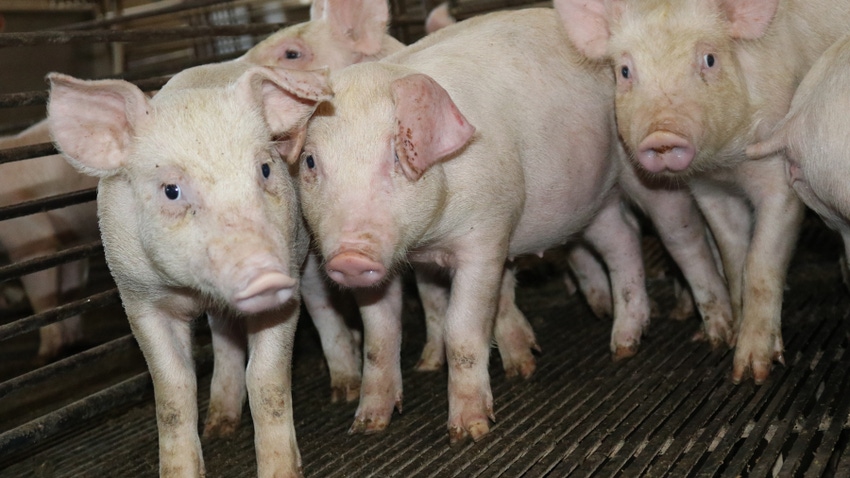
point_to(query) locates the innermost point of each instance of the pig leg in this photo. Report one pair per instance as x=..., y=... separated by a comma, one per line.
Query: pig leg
x=269, y=381
x=339, y=344
x=778, y=218
x=73, y=278
x=615, y=235
x=434, y=293
x=684, y=307
x=730, y=221
x=469, y=325
x=514, y=335
x=227, y=390
x=681, y=228
x=592, y=280
x=27, y=238
x=166, y=342
x=381, y=389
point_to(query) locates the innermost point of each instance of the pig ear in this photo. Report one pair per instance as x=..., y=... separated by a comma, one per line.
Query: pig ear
x=439, y=18
x=430, y=127
x=290, y=145
x=587, y=25
x=287, y=97
x=361, y=24
x=749, y=18
x=93, y=122
x=317, y=10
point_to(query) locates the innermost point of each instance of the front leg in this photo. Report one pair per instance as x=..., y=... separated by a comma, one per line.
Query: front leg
x=381, y=389
x=166, y=342
x=227, y=390
x=730, y=219
x=615, y=236
x=469, y=325
x=339, y=344
x=778, y=218
x=271, y=336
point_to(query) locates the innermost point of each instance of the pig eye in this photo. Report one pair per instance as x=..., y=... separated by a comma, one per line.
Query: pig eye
x=624, y=72
x=172, y=191
x=708, y=60
x=309, y=161
x=292, y=54
x=266, y=170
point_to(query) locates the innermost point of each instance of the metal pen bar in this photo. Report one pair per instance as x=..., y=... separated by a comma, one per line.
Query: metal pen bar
x=62, y=312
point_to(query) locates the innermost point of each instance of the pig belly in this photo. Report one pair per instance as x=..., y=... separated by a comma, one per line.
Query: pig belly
x=561, y=200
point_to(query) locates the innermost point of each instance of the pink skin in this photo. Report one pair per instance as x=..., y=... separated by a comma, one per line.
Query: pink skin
x=212, y=227
x=395, y=170
x=665, y=151
x=354, y=269
x=718, y=75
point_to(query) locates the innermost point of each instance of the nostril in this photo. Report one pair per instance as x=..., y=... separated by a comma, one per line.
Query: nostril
x=354, y=269
x=266, y=290
x=665, y=151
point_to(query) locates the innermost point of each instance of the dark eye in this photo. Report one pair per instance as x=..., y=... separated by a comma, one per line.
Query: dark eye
x=709, y=60
x=172, y=191
x=266, y=170
x=293, y=54
x=309, y=161
x=624, y=71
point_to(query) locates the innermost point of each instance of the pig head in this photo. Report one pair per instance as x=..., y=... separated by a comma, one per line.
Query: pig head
x=339, y=33
x=165, y=208
x=677, y=111
x=417, y=126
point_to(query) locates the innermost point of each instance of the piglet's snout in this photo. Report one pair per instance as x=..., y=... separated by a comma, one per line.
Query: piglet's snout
x=355, y=269
x=665, y=151
x=266, y=289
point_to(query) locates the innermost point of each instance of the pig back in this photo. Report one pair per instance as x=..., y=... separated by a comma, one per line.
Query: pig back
x=543, y=117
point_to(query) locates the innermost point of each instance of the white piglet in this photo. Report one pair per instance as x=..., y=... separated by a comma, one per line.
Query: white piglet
x=486, y=140
x=696, y=83
x=198, y=213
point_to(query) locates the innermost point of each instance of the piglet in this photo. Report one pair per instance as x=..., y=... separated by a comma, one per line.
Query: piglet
x=198, y=214
x=47, y=232
x=813, y=137
x=483, y=141
x=696, y=83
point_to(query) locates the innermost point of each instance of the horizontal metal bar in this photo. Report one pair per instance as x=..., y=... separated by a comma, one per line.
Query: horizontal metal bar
x=116, y=20
x=26, y=152
x=142, y=34
x=132, y=390
x=128, y=392
x=48, y=203
x=22, y=268
x=39, y=97
x=62, y=312
x=49, y=372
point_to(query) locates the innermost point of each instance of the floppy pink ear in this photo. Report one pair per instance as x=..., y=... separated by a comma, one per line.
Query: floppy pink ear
x=587, y=25
x=749, y=18
x=430, y=126
x=287, y=97
x=360, y=23
x=93, y=122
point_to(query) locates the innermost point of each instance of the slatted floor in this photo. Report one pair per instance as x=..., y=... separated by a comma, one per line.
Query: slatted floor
x=669, y=411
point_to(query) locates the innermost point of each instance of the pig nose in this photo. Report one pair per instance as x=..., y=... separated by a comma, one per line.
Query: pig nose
x=663, y=150
x=268, y=289
x=354, y=269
